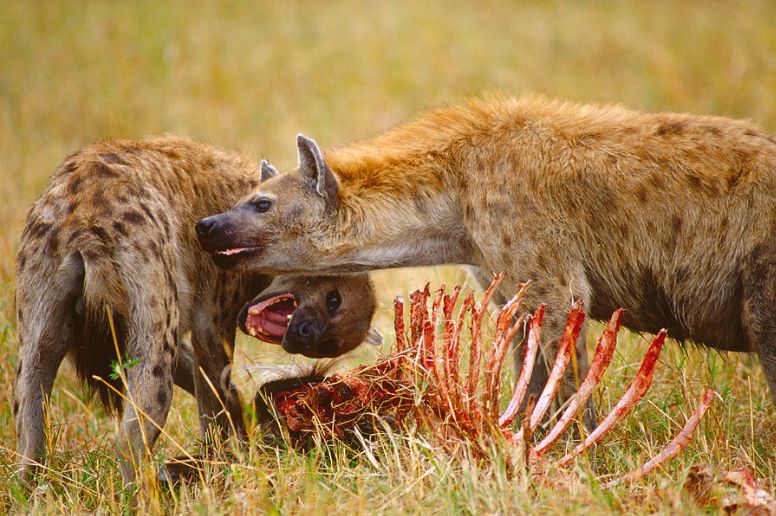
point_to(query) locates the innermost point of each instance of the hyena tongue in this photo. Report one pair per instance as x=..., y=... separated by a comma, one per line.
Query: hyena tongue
x=236, y=250
x=268, y=320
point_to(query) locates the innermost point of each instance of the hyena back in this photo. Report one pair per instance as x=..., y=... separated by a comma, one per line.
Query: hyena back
x=109, y=248
x=671, y=216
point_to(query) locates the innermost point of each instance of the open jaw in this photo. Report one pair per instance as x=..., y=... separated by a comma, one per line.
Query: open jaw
x=268, y=320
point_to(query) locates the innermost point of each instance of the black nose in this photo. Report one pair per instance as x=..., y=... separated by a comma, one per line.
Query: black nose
x=205, y=226
x=301, y=336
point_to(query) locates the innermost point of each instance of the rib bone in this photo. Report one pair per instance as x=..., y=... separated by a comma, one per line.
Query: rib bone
x=422, y=379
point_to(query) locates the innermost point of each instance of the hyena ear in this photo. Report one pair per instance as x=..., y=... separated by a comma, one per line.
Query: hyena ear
x=374, y=337
x=314, y=168
x=267, y=171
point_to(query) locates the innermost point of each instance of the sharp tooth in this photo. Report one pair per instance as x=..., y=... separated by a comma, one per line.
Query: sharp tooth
x=253, y=311
x=252, y=332
x=289, y=316
x=261, y=330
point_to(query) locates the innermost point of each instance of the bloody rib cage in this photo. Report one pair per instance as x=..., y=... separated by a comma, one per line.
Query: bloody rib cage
x=422, y=383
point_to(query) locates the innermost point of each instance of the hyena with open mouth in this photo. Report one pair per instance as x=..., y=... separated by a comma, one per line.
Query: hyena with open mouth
x=323, y=309
x=110, y=249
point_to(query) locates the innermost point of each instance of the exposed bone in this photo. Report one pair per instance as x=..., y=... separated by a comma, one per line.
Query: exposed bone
x=565, y=349
x=498, y=351
x=636, y=390
x=422, y=379
x=475, y=354
x=532, y=345
x=601, y=360
x=757, y=499
x=679, y=442
x=398, y=317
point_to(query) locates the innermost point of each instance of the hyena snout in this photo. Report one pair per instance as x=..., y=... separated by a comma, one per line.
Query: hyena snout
x=205, y=226
x=209, y=232
x=230, y=238
x=225, y=233
x=303, y=336
x=313, y=316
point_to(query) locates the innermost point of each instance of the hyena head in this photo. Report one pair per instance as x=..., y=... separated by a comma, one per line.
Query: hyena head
x=316, y=316
x=280, y=227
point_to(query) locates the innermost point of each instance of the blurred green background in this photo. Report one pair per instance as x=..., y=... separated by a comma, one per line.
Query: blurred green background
x=252, y=74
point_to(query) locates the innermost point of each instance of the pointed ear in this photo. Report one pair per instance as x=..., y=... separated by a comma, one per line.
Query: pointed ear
x=267, y=171
x=374, y=337
x=313, y=166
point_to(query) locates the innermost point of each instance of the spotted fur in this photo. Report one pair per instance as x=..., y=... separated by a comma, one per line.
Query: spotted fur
x=671, y=216
x=109, y=249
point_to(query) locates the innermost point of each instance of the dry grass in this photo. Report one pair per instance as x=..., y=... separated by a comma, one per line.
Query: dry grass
x=254, y=74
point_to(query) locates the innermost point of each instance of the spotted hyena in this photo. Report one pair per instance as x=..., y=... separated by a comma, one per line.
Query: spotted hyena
x=671, y=216
x=109, y=248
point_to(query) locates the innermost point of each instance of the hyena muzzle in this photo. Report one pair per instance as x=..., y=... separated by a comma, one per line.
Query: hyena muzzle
x=312, y=315
x=109, y=270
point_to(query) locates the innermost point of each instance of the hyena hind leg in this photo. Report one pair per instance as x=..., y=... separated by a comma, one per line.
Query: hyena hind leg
x=759, y=319
x=47, y=319
x=152, y=347
x=34, y=382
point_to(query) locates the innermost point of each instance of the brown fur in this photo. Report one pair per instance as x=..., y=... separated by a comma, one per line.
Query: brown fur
x=113, y=234
x=671, y=216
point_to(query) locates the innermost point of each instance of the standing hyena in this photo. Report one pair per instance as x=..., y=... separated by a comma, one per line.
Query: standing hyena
x=671, y=216
x=114, y=233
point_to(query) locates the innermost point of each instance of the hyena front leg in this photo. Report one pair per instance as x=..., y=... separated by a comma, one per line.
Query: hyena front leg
x=185, y=366
x=558, y=299
x=484, y=278
x=218, y=400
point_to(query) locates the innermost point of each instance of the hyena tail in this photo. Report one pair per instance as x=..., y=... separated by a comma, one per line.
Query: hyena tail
x=102, y=312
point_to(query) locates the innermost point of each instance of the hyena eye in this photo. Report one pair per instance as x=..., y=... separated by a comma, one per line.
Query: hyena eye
x=333, y=300
x=262, y=205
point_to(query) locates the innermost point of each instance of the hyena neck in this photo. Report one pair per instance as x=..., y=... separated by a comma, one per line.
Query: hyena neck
x=400, y=197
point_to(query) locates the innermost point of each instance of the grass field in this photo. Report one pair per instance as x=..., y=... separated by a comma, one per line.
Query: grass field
x=251, y=75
